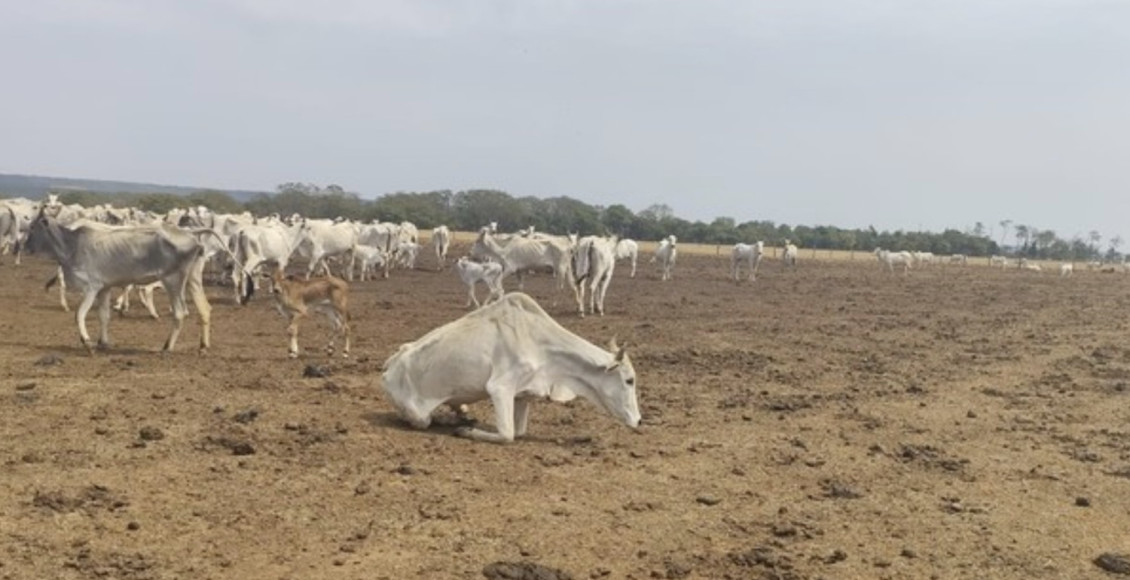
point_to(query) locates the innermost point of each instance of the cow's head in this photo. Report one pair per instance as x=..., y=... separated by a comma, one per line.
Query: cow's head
x=618, y=389
x=41, y=231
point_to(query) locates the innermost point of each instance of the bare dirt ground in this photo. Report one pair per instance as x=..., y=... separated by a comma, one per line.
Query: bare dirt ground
x=828, y=422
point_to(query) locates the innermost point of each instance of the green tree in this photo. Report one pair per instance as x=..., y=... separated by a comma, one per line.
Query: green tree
x=617, y=219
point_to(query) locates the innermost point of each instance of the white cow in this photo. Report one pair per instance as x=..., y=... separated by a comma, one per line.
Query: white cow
x=1030, y=266
x=522, y=254
x=628, y=249
x=1001, y=261
x=96, y=261
x=512, y=353
x=441, y=240
x=960, y=259
x=406, y=253
x=370, y=258
x=385, y=235
x=892, y=259
x=594, y=260
x=923, y=258
x=1066, y=270
x=788, y=257
x=408, y=232
x=322, y=239
x=254, y=245
x=665, y=255
x=751, y=255
x=489, y=273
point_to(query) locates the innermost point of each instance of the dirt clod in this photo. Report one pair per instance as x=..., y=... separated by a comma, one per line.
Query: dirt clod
x=246, y=416
x=1114, y=563
x=150, y=433
x=316, y=372
x=523, y=571
x=49, y=360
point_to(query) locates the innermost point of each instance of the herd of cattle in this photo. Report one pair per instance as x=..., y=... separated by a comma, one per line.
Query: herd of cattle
x=531, y=356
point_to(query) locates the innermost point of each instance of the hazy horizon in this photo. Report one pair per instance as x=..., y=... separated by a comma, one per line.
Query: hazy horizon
x=912, y=116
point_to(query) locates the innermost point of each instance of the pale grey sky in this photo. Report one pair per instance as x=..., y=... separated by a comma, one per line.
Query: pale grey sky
x=903, y=114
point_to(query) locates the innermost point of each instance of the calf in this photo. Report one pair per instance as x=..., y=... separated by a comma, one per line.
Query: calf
x=489, y=273
x=294, y=298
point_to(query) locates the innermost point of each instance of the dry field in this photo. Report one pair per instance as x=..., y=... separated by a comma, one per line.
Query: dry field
x=828, y=422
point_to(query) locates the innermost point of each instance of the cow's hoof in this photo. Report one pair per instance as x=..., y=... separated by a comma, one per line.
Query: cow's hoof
x=292, y=354
x=464, y=432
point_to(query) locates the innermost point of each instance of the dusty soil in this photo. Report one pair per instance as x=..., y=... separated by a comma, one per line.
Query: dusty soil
x=828, y=422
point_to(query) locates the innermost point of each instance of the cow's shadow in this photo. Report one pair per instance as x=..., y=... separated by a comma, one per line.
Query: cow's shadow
x=448, y=423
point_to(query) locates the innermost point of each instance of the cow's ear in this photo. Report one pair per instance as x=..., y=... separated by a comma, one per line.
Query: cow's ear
x=612, y=366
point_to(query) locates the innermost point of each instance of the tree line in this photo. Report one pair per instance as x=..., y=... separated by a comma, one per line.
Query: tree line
x=471, y=209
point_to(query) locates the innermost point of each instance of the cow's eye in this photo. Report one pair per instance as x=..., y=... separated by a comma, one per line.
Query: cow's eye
x=631, y=382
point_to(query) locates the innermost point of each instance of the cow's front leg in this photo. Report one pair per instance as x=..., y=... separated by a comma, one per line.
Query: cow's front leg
x=504, y=422
x=521, y=415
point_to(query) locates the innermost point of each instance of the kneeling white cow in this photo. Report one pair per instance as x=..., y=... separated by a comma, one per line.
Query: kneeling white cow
x=510, y=352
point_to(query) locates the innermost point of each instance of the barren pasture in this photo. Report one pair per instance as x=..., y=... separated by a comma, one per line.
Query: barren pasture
x=827, y=422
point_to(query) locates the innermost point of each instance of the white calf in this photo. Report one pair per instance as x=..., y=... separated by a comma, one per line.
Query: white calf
x=489, y=273
x=370, y=258
x=751, y=255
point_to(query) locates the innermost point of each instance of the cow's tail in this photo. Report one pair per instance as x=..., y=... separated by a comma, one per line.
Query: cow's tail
x=582, y=261
x=238, y=264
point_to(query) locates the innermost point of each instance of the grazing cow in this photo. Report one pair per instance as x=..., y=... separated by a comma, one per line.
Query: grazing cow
x=594, y=260
x=788, y=257
x=510, y=352
x=371, y=257
x=665, y=254
x=522, y=254
x=751, y=255
x=96, y=261
x=961, y=259
x=406, y=253
x=1001, y=261
x=891, y=259
x=1027, y=266
x=295, y=298
x=441, y=240
x=489, y=273
x=1066, y=270
x=628, y=249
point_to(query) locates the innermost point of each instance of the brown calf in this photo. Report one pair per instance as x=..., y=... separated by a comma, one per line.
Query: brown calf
x=329, y=295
